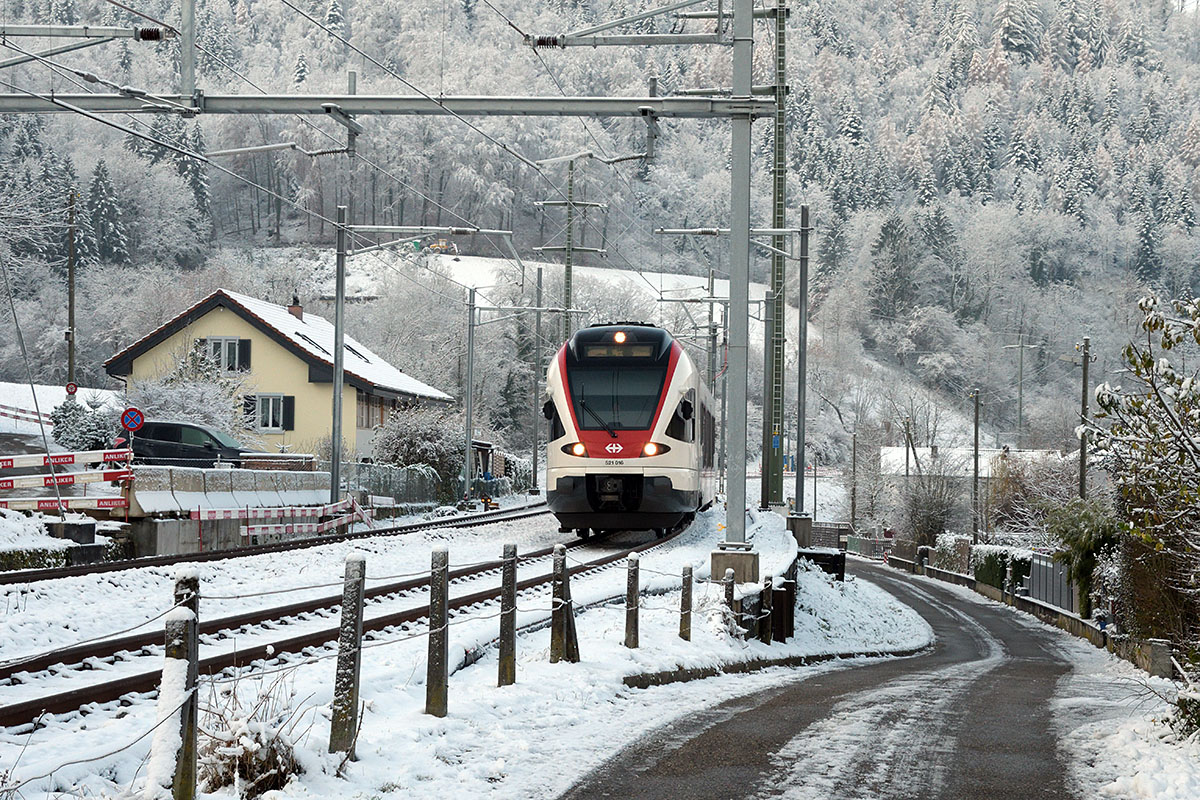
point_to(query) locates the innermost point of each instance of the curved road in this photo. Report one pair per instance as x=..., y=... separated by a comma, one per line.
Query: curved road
x=967, y=719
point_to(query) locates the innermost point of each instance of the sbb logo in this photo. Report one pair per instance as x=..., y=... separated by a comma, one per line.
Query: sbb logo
x=614, y=448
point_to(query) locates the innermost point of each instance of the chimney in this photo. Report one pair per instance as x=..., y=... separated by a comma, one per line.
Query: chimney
x=295, y=309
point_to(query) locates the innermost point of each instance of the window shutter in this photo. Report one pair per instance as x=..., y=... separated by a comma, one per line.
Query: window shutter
x=250, y=410
x=289, y=412
x=244, y=354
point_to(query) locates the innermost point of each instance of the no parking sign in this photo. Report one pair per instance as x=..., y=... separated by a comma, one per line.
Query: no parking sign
x=132, y=419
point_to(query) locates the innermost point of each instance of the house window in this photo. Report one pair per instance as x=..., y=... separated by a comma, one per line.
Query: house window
x=270, y=412
x=228, y=353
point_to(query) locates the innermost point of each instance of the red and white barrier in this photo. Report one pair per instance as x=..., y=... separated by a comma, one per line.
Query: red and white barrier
x=306, y=528
x=59, y=459
x=66, y=478
x=68, y=503
x=282, y=512
x=24, y=415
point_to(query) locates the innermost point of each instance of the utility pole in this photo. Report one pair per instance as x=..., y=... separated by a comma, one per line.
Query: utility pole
x=975, y=478
x=339, y=350
x=568, y=254
x=802, y=362
x=773, y=378
x=853, y=478
x=1020, y=345
x=469, y=391
x=907, y=447
x=187, y=49
x=1083, y=412
x=770, y=434
x=712, y=328
x=537, y=380
x=739, y=284
x=71, y=286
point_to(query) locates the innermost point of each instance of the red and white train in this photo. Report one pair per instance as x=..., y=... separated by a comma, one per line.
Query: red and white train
x=632, y=432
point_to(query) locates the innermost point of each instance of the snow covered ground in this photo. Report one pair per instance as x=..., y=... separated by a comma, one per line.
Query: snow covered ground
x=530, y=740
x=26, y=532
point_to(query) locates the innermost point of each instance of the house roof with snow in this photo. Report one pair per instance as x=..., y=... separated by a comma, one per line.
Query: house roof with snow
x=307, y=336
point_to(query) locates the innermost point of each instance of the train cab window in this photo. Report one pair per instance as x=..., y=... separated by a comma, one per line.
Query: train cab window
x=683, y=422
x=550, y=412
x=615, y=397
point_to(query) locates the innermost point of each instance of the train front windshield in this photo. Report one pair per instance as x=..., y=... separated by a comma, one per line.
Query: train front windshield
x=615, y=396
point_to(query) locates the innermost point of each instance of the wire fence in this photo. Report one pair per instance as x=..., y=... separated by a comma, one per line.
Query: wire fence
x=417, y=485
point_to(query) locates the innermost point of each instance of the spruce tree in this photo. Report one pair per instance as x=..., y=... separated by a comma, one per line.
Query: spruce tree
x=1018, y=29
x=195, y=172
x=335, y=19
x=893, y=288
x=300, y=72
x=1148, y=260
x=112, y=243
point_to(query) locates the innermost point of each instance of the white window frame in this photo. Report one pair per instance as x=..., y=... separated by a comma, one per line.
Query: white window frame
x=220, y=347
x=276, y=407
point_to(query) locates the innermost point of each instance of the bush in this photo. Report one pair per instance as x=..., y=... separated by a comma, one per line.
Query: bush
x=84, y=426
x=991, y=565
x=251, y=746
x=952, y=552
x=1085, y=529
x=431, y=436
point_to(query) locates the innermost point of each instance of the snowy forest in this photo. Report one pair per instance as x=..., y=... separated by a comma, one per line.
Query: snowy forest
x=989, y=182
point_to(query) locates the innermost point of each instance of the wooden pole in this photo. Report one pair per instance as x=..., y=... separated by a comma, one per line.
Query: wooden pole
x=685, y=606
x=344, y=724
x=632, y=601
x=437, y=675
x=177, y=708
x=508, y=618
x=764, y=618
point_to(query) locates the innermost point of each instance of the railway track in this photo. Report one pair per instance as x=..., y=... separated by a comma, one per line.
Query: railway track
x=21, y=671
x=471, y=520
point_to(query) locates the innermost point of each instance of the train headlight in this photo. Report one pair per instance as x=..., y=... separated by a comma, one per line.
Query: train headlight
x=654, y=449
x=619, y=337
x=576, y=449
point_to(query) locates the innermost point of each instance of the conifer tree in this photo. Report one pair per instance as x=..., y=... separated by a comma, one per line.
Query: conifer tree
x=1148, y=260
x=335, y=20
x=1018, y=29
x=893, y=270
x=112, y=243
x=300, y=72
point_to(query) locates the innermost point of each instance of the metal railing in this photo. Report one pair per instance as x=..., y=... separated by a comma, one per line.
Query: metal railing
x=414, y=484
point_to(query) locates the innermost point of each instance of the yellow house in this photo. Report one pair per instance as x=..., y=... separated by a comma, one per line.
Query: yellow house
x=287, y=356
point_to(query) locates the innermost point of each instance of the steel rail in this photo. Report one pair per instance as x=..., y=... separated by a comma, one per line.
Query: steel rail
x=483, y=517
x=26, y=712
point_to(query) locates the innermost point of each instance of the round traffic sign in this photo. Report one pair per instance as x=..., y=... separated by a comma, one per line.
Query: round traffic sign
x=132, y=419
x=72, y=388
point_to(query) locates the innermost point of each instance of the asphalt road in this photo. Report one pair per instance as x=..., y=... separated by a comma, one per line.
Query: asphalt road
x=967, y=720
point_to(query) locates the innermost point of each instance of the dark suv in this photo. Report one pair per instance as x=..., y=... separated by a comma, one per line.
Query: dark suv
x=185, y=444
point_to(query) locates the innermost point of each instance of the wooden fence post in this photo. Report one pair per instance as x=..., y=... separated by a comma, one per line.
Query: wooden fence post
x=508, y=618
x=685, y=606
x=343, y=728
x=437, y=675
x=564, y=641
x=765, y=618
x=632, y=601
x=177, y=708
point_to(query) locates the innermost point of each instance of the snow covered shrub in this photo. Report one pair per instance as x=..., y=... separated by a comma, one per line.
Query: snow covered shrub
x=431, y=436
x=991, y=564
x=1085, y=529
x=1186, y=718
x=90, y=425
x=952, y=552
x=1148, y=436
x=250, y=745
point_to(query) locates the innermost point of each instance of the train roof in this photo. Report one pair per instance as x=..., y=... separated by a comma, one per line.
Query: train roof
x=633, y=333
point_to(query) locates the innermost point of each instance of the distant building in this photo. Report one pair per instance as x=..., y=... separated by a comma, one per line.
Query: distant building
x=287, y=356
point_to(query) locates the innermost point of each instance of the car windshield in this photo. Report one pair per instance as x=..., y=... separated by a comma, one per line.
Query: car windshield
x=225, y=440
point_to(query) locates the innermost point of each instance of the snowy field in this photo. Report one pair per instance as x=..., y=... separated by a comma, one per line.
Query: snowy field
x=530, y=740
